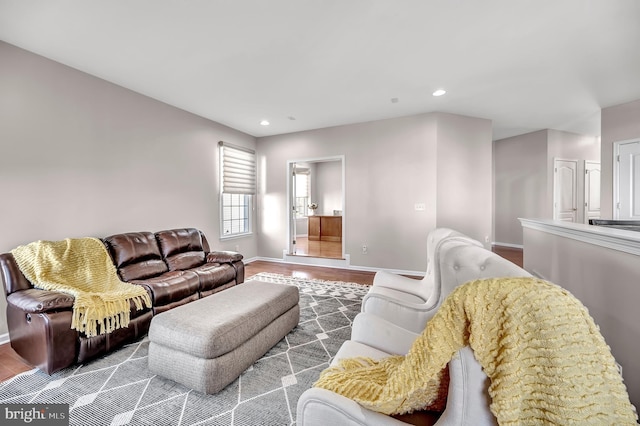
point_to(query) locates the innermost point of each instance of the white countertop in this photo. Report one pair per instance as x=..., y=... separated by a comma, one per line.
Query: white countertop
x=616, y=239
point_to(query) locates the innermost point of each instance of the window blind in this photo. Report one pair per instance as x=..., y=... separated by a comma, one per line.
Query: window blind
x=238, y=169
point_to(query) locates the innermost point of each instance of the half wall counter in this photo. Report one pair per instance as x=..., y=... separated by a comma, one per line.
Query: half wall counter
x=601, y=267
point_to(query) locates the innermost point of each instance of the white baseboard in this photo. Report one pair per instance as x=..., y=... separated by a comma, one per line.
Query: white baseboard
x=318, y=261
x=4, y=338
x=311, y=261
x=518, y=246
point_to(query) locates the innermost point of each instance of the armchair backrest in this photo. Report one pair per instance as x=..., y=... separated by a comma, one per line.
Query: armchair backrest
x=460, y=263
x=431, y=285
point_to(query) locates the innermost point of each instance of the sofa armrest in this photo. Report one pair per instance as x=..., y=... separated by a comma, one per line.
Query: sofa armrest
x=38, y=301
x=223, y=257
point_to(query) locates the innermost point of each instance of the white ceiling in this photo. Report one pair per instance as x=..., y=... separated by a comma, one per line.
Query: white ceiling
x=524, y=64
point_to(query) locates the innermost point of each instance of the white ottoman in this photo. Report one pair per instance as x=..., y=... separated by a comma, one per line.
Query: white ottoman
x=207, y=344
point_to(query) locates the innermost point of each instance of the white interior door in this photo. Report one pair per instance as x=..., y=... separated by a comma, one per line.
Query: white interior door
x=591, y=190
x=628, y=194
x=565, y=194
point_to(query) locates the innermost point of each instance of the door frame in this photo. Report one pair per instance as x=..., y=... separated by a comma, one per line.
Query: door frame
x=291, y=222
x=616, y=175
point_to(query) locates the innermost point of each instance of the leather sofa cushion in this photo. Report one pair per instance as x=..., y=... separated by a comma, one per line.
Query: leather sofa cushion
x=182, y=261
x=142, y=270
x=132, y=247
x=36, y=301
x=181, y=248
x=170, y=286
x=136, y=255
x=214, y=275
x=175, y=241
x=223, y=257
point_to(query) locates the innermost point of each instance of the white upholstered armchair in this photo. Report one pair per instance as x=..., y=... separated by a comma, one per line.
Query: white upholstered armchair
x=392, y=329
x=410, y=302
x=467, y=401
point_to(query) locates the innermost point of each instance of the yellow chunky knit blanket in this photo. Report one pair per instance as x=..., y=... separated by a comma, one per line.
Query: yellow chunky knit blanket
x=545, y=357
x=82, y=268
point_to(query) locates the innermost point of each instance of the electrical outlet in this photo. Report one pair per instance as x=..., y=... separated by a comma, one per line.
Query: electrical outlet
x=365, y=249
x=486, y=238
x=237, y=248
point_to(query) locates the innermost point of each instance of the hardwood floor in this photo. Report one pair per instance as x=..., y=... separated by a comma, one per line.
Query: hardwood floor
x=515, y=255
x=305, y=271
x=11, y=364
x=328, y=249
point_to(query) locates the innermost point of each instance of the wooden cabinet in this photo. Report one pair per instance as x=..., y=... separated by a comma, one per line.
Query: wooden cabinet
x=325, y=228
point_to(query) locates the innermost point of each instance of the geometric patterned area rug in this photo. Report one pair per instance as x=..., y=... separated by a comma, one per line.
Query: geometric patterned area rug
x=119, y=389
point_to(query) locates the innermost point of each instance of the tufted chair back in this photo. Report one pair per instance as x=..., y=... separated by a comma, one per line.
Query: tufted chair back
x=430, y=284
x=409, y=302
x=460, y=263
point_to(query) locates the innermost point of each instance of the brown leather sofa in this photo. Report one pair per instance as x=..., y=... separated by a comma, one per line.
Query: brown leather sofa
x=175, y=266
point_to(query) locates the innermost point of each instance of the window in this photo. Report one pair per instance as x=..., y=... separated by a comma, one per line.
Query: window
x=302, y=192
x=237, y=188
x=235, y=214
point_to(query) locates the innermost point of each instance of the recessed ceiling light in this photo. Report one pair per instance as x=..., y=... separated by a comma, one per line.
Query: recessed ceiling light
x=439, y=92
x=264, y=122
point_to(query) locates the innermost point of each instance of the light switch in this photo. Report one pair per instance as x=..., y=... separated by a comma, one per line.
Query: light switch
x=420, y=207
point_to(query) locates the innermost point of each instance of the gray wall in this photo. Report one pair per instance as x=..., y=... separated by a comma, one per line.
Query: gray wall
x=83, y=157
x=390, y=166
x=523, y=174
x=465, y=186
x=520, y=168
x=618, y=123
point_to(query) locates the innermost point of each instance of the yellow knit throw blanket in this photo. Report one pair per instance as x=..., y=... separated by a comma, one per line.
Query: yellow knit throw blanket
x=545, y=357
x=82, y=268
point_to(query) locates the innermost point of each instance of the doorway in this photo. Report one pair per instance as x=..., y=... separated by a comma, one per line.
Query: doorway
x=316, y=207
x=591, y=190
x=626, y=180
x=565, y=194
